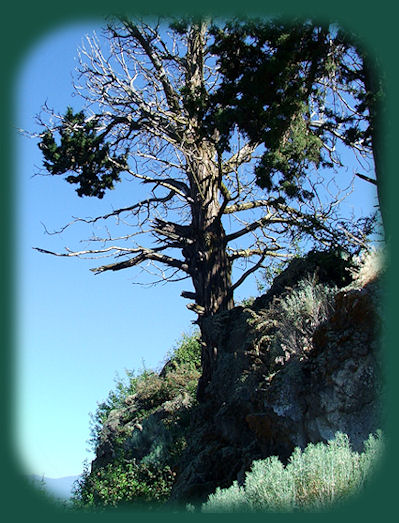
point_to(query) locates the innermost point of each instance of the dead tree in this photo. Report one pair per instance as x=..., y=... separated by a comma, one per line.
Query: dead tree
x=203, y=212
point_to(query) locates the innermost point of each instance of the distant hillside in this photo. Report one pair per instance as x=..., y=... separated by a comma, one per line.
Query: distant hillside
x=59, y=487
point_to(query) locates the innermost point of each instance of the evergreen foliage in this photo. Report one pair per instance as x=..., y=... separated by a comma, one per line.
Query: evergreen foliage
x=297, y=87
x=82, y=151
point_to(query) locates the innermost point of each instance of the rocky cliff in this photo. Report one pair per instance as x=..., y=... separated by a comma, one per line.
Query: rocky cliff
x=299, y=364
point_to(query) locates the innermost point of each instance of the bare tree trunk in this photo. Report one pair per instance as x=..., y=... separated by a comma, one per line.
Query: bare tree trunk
x=372, y=86
x=206, y=257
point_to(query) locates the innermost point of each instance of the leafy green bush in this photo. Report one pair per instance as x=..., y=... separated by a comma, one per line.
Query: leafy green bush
x=152, y=389
x=183, y=378
x=313, y=479
x=121, y=483
x=145, y=443
x=187, y=352
x=181, y=374
x=114, y=400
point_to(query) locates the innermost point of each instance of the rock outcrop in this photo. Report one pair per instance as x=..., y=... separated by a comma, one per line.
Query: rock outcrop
x=299, y=364
x=266, y=400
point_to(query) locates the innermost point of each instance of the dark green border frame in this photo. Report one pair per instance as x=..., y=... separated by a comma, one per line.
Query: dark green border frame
x=22, y=27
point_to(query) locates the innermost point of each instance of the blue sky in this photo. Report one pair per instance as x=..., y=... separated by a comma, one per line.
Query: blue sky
x=76, y=331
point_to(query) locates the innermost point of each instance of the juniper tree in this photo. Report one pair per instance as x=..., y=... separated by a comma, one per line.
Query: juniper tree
x=302, y=89
x=146, y=95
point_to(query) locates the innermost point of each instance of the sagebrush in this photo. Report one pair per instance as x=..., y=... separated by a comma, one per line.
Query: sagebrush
x=285, y=328
x=314, y=479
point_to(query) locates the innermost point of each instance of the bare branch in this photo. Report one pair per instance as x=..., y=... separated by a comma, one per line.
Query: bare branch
x=199, y=201
x=268, y=219
x=153, y=55
x=245, y=206
x=146, y=254
x=189, y=295
x=266, y=253
x=367, y=178
x=244, y=155
x=244, y=253
x=78, y=254
x=244, y=276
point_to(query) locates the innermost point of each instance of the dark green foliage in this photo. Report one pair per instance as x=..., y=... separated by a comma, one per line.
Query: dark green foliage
x=83, y=152
x=275, y=74
x=268, y=70
x=331, y=266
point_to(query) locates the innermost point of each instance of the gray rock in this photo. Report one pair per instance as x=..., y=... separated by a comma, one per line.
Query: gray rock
x=257, y=408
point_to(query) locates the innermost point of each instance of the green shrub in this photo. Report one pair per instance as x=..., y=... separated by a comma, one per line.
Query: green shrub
x=232, y=499
x=313, y=479
x=269, y=485
x=123, y=387
x=152, y=389
x=183, y=378
x=300, y=312
x=187, y=351
x=121, y=483
x=182, y=374
x=143, y=458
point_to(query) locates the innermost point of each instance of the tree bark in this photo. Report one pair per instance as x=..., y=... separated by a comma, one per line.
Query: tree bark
x=372, y=86
x=206, y=256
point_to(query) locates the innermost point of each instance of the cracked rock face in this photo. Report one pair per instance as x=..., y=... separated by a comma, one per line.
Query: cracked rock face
x=254, y=410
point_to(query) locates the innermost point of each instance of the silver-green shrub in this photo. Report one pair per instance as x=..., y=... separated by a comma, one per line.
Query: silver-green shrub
x=270, y=485
x=232, y=499
x=315, y=478
x=300, y=312
x=286, y=327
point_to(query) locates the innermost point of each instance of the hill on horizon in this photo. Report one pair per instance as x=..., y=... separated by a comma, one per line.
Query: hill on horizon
x=59, y=487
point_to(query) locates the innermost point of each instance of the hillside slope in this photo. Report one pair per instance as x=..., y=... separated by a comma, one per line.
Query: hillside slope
x=299, y=364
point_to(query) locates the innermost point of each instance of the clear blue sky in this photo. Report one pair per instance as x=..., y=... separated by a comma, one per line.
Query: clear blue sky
x=76, y=331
